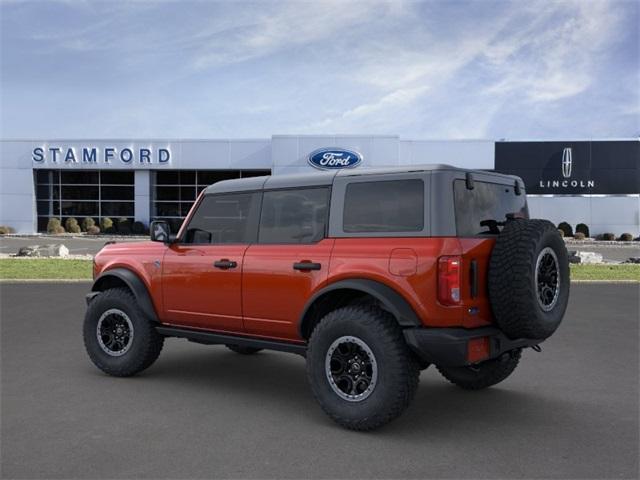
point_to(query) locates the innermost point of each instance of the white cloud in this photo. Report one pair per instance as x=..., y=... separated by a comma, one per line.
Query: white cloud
x=554, y=56
x=282, y=26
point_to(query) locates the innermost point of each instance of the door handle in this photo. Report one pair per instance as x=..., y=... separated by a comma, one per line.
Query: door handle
x=225, y=264
x=306, y=266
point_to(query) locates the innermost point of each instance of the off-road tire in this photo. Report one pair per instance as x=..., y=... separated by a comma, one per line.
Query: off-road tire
x=513, y=291
x=145, y=345
x=242, y=350
x=398, y=370
x=484, y=374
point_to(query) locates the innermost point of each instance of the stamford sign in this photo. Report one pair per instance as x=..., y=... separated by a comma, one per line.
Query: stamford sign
x=334, y=158
x=95, y=155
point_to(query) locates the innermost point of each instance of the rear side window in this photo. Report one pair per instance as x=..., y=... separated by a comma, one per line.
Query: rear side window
x=294, y=216
x=221, y=219
x=487, y=203
x=386, y=206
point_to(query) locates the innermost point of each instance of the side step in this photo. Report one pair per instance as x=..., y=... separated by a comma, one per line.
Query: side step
x=210, y=338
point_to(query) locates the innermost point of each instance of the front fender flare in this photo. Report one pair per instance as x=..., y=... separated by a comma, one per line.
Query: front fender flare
x=135, y=284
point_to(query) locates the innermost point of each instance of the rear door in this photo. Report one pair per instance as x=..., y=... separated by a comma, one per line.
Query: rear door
x=289, y=262
x=202, y=273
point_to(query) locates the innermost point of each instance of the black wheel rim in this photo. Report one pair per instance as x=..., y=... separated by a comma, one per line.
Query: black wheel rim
x=351, y=368
x=114, y=332
x=547, y=279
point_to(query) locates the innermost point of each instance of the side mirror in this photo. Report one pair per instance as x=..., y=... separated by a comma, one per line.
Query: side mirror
x=161, y=232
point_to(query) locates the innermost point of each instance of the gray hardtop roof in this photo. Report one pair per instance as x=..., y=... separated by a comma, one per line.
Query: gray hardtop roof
x=322, y=178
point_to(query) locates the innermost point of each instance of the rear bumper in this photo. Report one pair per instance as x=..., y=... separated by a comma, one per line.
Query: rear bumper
x=449, y=347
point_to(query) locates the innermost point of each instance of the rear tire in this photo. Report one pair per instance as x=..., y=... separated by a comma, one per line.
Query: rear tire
x=359, y=367
x=118, y=337
x=483, y=375
x=242, y=350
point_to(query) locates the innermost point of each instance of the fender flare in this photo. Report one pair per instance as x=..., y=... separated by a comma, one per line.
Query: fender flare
x=388, y=297
x=135, y=284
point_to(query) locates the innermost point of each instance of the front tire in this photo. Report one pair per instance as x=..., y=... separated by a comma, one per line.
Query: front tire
x=483, y=375
x=359, y=367
x=118, y=337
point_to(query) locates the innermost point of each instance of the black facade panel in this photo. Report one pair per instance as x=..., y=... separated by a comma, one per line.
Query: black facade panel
x=572, y=168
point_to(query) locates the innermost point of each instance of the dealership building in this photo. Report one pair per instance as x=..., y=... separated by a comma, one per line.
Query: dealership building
x=596, y=182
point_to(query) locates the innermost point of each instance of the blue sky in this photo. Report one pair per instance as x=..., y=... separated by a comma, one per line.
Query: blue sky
x=424, y=70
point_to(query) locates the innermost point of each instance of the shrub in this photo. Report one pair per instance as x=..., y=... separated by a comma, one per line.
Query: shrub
x=71, y=225
x=123, y=226
x=583, y=228
x=566, y=228
x=607, y=237
x=561, y=232
x=626, y=237
x=138, y=228
x=579, y=236
x=87, y=222
x=58, y=229
x=106, y=225
x=52, y=225
x=5, y=229
x=93, y=230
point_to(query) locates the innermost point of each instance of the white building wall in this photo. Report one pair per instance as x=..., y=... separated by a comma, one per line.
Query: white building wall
x=459, y=153
x=142, y=196
x=17, y=187
x=615, y=214
x=289, y=152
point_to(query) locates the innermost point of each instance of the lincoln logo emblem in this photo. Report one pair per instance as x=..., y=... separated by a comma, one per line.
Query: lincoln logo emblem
x=566, y=162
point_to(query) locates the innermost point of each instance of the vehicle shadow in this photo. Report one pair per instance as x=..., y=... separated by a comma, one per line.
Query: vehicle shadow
x=276, y=382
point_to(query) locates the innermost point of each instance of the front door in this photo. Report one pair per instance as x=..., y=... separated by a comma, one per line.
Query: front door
x=289, y=262
x=202, y=272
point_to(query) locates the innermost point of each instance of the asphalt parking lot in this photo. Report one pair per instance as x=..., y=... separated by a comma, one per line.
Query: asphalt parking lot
x=201, y=412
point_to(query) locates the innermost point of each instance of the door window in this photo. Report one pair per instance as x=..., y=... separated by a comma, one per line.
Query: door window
x=294, y=216
x=222, y=219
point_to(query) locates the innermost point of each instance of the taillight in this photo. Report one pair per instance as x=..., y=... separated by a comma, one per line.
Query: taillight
x=449, y=280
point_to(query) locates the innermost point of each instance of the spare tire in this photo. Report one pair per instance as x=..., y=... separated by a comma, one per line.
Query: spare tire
x=529, y=279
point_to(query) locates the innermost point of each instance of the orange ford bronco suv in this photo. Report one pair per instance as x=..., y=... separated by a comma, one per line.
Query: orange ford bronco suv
x=371, y=275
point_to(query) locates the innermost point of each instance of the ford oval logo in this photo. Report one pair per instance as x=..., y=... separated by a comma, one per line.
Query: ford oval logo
x=334, y=158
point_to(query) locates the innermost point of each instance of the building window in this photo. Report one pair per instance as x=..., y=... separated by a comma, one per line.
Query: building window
x=173, y=192
x=87, y=193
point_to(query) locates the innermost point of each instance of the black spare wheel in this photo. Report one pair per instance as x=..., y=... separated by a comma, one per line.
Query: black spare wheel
x=529, y=279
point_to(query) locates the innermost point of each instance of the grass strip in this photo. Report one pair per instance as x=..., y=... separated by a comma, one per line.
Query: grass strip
x=606, y=272
x=45, y=268
x=58, y=268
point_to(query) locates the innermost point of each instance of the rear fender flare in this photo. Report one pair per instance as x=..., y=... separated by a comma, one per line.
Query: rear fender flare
x=388, y=297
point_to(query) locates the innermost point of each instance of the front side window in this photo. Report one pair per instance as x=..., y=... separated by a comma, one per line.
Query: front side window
x=294, y=216
x=384, y=206
x=221, y=219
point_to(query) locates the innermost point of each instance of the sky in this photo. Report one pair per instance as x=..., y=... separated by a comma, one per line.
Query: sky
x=421, y=70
